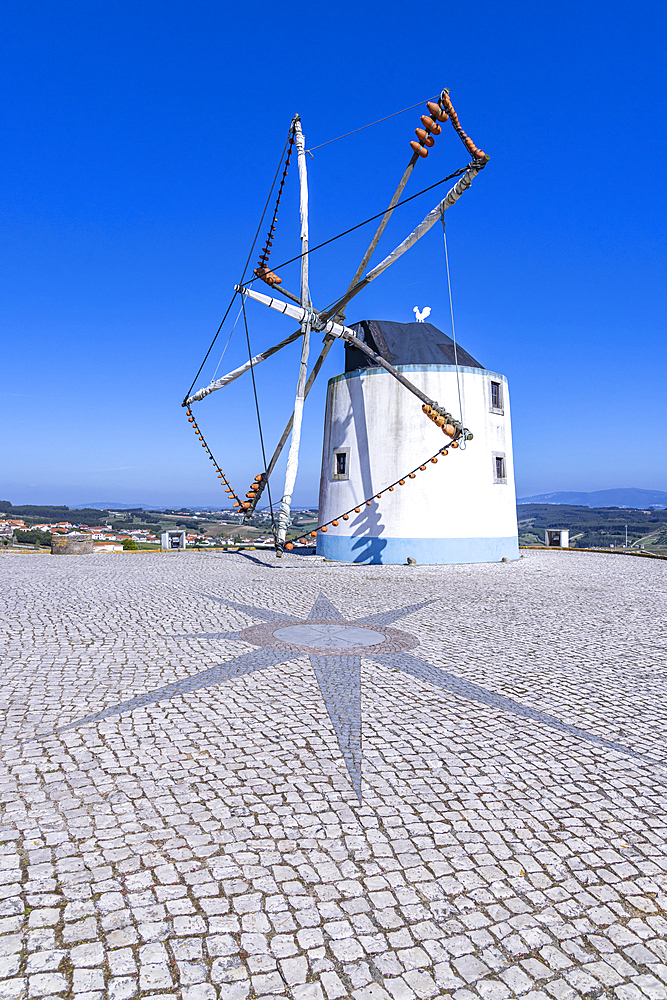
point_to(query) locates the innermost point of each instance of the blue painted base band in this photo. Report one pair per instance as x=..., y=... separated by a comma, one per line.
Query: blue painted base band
x=433, y=551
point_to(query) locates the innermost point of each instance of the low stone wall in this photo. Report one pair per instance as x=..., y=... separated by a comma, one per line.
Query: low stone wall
x=71, y=545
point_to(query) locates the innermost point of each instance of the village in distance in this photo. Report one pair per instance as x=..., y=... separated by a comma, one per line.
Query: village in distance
x=31, y=527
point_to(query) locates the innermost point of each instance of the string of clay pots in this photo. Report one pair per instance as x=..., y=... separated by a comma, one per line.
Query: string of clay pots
x=262, y=270
x=335, y=521
x=438, y=114
x=225, y=482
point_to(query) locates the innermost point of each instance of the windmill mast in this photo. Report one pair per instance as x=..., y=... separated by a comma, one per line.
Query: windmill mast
x=293, y=456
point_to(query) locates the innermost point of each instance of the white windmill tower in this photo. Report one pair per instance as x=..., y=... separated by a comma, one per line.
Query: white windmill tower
x=458, y=510
x=386, y=492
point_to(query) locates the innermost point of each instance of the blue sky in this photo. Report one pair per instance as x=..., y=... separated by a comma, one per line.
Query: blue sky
x=139, y=141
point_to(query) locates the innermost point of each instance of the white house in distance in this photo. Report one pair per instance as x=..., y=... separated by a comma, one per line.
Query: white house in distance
x=172, y=540
x=460, y=510
x=558, y=538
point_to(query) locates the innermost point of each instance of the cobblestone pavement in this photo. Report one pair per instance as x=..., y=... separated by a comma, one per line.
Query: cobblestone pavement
x=183, y=812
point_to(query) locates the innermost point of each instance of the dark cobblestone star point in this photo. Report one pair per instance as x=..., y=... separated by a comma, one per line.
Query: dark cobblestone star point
x=335, y=646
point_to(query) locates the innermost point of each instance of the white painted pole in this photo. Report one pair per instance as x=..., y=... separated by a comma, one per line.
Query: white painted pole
x=293, y=456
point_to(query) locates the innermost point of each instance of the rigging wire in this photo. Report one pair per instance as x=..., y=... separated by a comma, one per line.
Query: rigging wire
x=370, y=125
x=259, y=419
x=227, y=343
x=227, y=311
x=273, y=184
x=457, y=173
x=451, y=313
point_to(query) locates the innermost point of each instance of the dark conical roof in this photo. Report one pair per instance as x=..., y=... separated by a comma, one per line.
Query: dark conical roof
x=405, y=344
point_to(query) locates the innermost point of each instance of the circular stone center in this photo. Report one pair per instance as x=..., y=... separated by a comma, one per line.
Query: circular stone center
x=329, y=635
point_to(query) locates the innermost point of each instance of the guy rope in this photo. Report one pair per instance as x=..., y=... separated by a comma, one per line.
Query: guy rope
x=331, y=320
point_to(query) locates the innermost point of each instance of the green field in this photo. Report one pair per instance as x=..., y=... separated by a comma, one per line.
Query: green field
x=594, y=527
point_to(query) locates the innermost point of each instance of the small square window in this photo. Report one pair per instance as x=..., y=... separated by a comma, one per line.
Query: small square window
x=340, y=466
x=499, y=467
x=496, y=396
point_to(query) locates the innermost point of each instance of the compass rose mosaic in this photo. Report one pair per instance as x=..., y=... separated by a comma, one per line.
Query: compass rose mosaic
x=335, y=646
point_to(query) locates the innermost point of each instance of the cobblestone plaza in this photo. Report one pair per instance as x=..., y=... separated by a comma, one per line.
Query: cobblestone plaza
x=226, y=776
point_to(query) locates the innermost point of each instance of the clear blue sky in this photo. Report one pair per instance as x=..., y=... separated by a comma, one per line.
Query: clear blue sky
x=139, y=140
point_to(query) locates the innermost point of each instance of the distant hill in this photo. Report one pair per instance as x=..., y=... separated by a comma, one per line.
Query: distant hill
x=103, y=505
x=631, y=498
x=594, y=527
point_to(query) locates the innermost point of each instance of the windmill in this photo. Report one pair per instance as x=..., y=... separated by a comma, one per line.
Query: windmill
x=353, y=481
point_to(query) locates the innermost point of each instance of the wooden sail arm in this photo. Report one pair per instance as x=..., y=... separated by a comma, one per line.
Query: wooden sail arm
x=439, y=114
x=450, y=199
x=219, y=383
x=321, y=321
x=286, y=293
x=385, y=219
x=351, y=338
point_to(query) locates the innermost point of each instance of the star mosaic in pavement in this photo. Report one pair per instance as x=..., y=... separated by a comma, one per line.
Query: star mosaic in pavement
x=335, y=646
